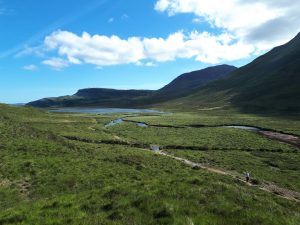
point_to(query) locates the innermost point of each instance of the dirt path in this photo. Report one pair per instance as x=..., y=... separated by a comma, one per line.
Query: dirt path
x=290, y=139
x=265, y=186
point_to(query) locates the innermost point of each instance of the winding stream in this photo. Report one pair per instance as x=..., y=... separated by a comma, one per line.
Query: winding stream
x=141, y=124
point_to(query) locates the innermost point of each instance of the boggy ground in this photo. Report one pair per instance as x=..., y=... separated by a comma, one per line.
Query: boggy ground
x=45, y=178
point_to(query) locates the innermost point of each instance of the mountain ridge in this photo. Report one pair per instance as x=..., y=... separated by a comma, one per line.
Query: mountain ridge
x=106, y=97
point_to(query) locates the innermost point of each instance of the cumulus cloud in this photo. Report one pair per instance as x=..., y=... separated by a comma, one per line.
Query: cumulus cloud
x=98, y=49
x=30, y=67
x=103, y=51
x=56, y=63
x=262, y=23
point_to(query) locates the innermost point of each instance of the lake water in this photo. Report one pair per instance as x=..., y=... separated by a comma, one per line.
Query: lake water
x=103, y=110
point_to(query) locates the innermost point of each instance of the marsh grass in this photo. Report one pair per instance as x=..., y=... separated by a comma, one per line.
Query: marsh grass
x=47, y=179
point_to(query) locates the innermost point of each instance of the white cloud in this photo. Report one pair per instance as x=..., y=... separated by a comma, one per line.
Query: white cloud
x=30, y=67
x=98, y=50
x=103, y=51
x=197, y=20
x=162, y=50
x=56, y=63
x=125, y=17
x=150, y=64
x=147, y=64
x=37, y=51
x=111, y=20
x=262, y=23
x=5, y=11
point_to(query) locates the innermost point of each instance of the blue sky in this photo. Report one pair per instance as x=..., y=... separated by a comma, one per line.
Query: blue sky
x=53, y=48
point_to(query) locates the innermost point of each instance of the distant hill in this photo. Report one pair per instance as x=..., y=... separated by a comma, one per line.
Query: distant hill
x=179, y=87
x=93, y=97
x=269, y=83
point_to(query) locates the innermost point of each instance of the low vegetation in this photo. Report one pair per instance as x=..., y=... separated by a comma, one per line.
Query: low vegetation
x=46, y=178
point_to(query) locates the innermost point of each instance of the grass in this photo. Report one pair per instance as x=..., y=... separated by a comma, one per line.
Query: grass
x=48, y=179
x=204, y=138
x=280, y=168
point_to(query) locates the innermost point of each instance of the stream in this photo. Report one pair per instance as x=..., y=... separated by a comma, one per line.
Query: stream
x=122, y=120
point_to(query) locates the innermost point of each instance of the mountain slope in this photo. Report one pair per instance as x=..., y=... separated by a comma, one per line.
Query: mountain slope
x=184, y=85
x=179, y=87
x=271, y=82
x=188, y=82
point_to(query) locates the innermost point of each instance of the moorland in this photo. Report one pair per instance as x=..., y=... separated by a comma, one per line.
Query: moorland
x=67, y=168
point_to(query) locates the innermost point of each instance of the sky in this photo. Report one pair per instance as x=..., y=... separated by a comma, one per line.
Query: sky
x=55, y=47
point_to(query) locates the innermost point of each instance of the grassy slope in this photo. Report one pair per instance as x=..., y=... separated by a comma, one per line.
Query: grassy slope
x=46, y=179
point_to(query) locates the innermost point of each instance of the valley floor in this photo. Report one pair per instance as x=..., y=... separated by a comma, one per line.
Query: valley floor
x=72, y=169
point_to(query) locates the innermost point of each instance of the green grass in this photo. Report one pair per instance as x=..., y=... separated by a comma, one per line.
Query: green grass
x=48, y=179
x=282, y=169
x=204, y=138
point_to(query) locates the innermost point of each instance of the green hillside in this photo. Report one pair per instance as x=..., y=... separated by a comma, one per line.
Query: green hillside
x=269, y=83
